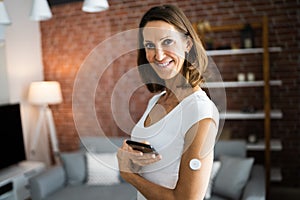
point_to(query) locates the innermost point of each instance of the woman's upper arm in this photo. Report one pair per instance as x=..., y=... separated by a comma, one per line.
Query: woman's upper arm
x=199, y=143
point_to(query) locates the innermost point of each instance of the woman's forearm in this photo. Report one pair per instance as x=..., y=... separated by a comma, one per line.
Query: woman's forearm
x=150, y=191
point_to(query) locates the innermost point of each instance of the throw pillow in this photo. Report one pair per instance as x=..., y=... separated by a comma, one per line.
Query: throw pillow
x=214, y=171
x=74, y=164
x=102, y=169
x=233, y=176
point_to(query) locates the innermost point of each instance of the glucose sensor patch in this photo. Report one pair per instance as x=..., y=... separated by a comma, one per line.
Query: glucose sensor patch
x=195, y=164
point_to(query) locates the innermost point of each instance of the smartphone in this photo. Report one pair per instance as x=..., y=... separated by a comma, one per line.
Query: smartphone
x=139, y=146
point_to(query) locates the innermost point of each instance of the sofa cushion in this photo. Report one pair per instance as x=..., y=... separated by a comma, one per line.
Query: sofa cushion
x=122, y=191
x=236, y=148
x=215, y=197
x=233, y=176
x=214, y=171
x=102, y=169
x=75, y=167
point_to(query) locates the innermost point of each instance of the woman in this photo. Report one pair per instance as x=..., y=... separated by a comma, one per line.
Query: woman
x=180, y=122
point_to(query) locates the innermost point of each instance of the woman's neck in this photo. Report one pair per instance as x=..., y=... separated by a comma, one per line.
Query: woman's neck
x=173, y=88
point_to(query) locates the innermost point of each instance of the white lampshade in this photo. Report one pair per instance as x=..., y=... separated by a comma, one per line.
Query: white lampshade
x=45, y=92
x=95, y=5
x=40, y=10
x=4, y=18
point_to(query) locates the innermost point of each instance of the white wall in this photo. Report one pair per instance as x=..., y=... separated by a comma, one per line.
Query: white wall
x=23, y=65
x=23, y=49
x=4, y=91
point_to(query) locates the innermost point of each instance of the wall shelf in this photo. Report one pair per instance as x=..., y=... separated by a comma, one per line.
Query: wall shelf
x=241, y=51
x=275, y=145
x=231, y=84
x=275, y=114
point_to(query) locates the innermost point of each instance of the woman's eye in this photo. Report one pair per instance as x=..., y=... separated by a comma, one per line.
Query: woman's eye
x=149, y=46
x=168, y=42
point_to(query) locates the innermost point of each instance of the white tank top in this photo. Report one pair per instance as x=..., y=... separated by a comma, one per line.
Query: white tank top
x=167, y=135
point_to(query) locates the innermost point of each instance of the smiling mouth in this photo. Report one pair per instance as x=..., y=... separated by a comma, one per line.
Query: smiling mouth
x=163, y=65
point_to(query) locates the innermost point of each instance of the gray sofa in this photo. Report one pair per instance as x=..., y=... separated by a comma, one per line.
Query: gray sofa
x=56, y=184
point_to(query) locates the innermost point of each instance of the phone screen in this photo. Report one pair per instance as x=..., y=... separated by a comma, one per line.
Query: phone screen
x=139, y=146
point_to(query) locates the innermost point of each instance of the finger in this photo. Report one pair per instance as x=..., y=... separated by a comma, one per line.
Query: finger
x=128, y=148
x=145, y=142
x=146, y=156
x=124, y=146
x=146, y=160
x=130, y=153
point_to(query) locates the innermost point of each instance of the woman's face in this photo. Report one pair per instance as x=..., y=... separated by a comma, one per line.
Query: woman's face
x=165, y=48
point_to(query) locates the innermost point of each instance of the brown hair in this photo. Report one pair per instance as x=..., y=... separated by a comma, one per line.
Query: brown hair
x=196, y=59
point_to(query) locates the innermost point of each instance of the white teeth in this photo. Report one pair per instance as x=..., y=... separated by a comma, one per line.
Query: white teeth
x=162, y=64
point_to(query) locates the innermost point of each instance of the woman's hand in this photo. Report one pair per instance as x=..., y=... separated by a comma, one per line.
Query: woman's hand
x=131, y=161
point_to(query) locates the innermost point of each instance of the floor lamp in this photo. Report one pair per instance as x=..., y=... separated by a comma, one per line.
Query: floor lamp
x=43, y=94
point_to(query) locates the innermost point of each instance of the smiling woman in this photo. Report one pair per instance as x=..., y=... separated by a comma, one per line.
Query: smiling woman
x=180, y=121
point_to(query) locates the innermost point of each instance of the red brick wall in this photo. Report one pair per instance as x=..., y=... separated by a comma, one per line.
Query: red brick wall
x=71, y=35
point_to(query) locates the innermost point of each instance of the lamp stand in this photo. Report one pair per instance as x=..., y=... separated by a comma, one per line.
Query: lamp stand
x=45, y=111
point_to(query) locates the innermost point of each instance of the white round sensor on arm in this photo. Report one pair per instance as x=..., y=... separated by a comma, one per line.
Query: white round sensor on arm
x=195, y=164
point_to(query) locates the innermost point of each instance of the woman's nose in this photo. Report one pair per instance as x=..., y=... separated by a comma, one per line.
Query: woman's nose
x=159, y=54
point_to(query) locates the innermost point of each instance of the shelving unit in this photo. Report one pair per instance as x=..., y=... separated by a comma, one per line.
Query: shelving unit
x=241, y=51
x=228, y=84
x=266, y=114
x=275, y=114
